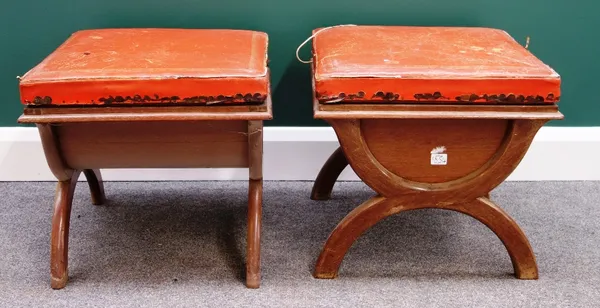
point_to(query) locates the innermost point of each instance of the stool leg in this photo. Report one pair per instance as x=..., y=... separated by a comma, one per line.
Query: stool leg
x=329, y=173
x=59, y=241
x=254, y=226
x=509, y=232
x=255, y=155
x=347, y=231
x=94, y=179
x=377, y=208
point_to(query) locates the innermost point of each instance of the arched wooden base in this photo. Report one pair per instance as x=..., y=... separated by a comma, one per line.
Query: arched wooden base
x=378, y=208
x=392, y=157
x=329, y=173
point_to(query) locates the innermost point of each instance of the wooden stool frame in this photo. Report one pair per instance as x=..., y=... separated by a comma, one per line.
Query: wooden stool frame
x=87, y=139
x=379, y=142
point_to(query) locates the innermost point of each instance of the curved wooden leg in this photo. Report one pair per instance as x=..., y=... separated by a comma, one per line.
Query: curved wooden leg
x=94, y=179
x=509, y=232
x=254, y=224
x=347, y=231
x=59, y=242
x=255, y=153
x=329, y=173
x=377, y=208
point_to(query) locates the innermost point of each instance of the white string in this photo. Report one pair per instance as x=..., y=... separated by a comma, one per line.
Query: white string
x=527, y=43
x=311, y=37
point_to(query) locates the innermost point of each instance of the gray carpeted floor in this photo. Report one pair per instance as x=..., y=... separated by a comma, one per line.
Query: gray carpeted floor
x=181, y=244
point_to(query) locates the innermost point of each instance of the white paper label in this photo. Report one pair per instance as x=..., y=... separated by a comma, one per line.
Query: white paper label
x=439, y=159
x=439, y=156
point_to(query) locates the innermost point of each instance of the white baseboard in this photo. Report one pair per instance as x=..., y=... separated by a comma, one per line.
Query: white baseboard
x=297, y=153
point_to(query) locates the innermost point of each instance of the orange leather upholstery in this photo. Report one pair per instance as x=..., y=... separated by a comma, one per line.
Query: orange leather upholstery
x=141, y=66
x=428, y=64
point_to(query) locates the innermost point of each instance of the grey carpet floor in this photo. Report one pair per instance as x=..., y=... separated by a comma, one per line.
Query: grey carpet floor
x=181, y=244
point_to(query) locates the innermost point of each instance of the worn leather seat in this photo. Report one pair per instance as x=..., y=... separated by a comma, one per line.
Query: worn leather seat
x=428, y=64
x=143, y=66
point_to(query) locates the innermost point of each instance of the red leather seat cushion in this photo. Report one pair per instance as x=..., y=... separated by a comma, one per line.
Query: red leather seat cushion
x=129, y=66
x=428, y=64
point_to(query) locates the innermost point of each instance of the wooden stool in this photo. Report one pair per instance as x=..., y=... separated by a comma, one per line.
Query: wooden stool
x=428, y=117
x=150, y=98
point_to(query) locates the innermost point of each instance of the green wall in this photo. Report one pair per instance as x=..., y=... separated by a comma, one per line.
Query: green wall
x=564, y=34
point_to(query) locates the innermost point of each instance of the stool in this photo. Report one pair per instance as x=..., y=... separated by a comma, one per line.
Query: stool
x=428, y=117
x=150, y=98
